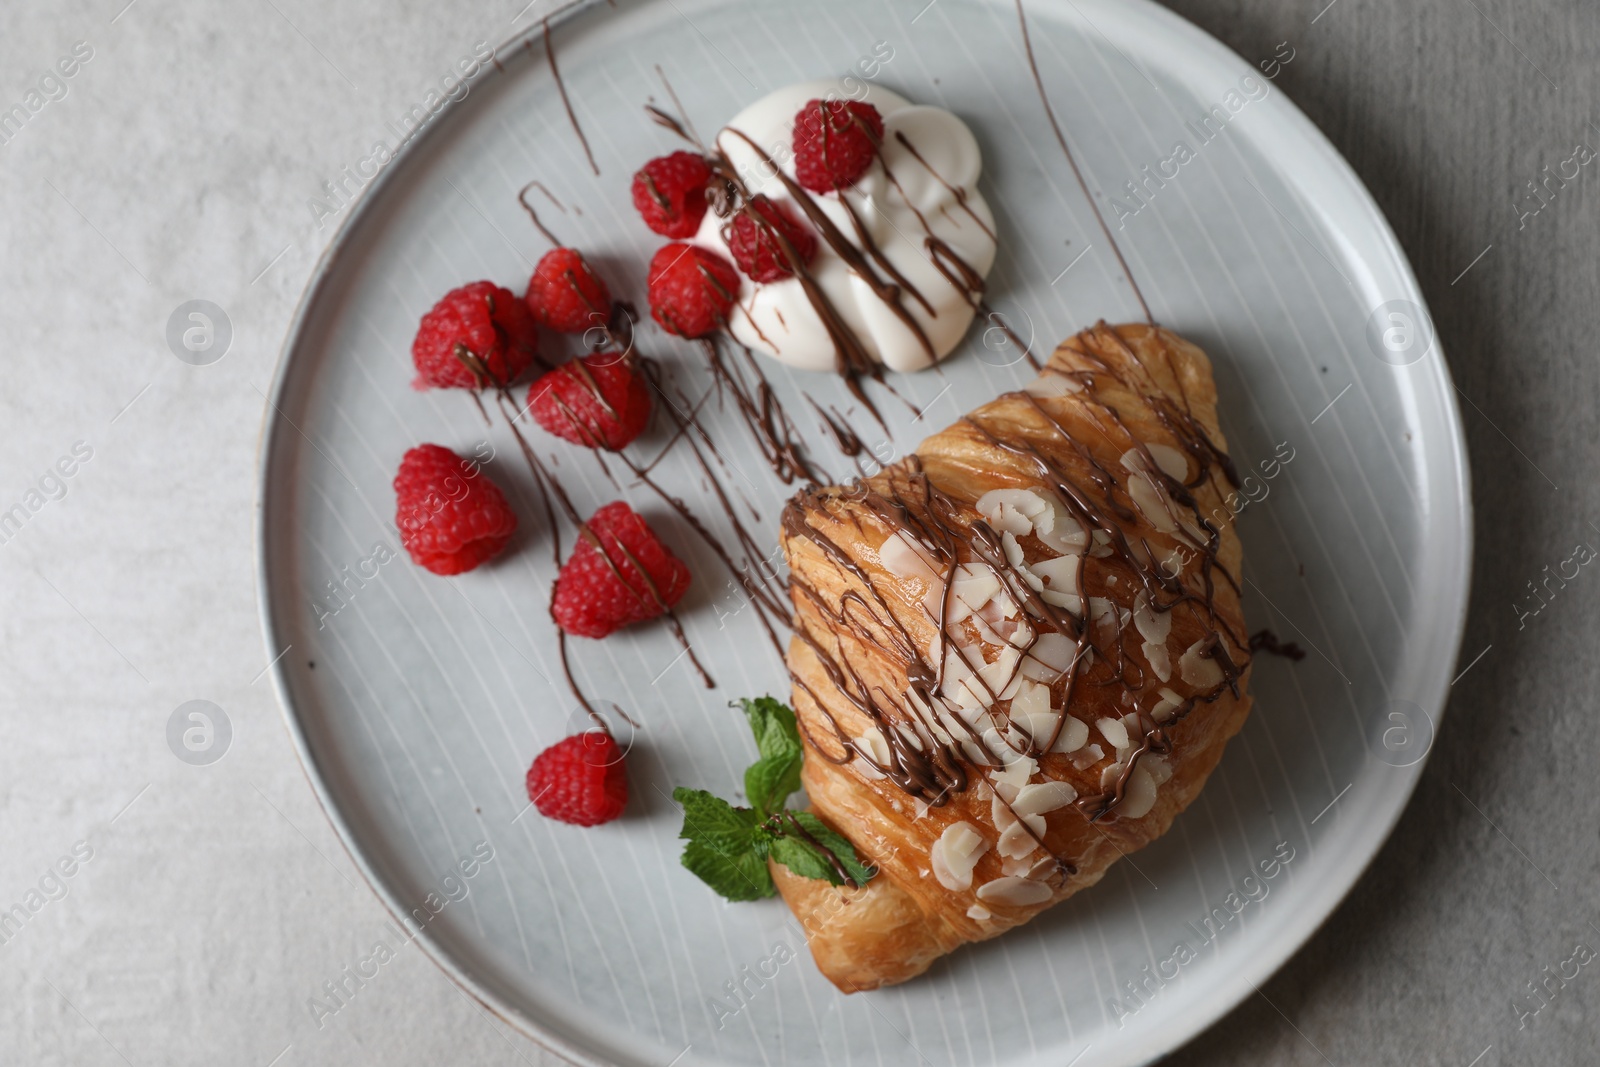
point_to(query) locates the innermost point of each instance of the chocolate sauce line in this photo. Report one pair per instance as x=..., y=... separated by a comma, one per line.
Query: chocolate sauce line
x=961, y=275
x=1269, y=642
x=833, y=860
x=683, y=426
x=763, y=414
x=655, y=595
x=572, y=117
x=1061, y=139
x=692, y=135
x=899, y=280
x=572, y=683
x=522, y=198
x=955, y=190
x=844, y=437
x=769, y=603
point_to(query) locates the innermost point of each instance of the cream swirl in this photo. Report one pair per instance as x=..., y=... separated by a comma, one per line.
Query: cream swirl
x=923, y=218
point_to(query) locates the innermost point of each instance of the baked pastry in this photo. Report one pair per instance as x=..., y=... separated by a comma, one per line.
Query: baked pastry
x=1019, y=652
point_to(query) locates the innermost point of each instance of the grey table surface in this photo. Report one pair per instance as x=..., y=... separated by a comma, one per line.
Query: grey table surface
x=215, y=900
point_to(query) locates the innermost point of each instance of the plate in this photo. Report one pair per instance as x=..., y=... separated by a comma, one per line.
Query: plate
x=417, y=702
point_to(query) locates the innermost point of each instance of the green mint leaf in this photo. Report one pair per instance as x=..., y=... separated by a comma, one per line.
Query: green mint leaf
x=772, y=778
x=727, y=846
x=714, y=822
x=773, y=724
x=836, y=843
x=743, y=876
x=804, y=859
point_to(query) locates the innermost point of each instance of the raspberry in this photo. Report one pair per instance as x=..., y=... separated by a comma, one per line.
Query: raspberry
x=599, y=401
x=580, y=780
x=565, y=295
x=756, y=246
x=476, y=330
x=670, y=193
x=691, y=290
x=835, y=143
x=619, y=574
x=451, y=516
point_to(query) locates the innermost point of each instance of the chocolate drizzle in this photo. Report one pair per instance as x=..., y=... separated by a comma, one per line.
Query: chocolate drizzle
x=1269, y=642
x=930, y=747
x=761, y=411
x=955, y=190
x=1072, y=161
x=522, y=198
x=566, y=102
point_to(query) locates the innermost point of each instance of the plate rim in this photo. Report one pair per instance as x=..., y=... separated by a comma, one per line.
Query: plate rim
x=1230, y=989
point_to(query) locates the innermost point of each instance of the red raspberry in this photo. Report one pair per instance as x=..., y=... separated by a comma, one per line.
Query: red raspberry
x=451, y=516
x=565, y=295
x=691, y=289
x=580, y=780
x=599, y=401
x=835, y=143
x=755, y=244
x=619, y=574
x=476, y=328
x=670, y=193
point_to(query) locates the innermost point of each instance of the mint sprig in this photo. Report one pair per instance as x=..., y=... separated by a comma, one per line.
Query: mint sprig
x=727, y=847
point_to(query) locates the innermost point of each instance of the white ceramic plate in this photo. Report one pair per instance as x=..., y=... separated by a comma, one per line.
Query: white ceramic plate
x=429, y=696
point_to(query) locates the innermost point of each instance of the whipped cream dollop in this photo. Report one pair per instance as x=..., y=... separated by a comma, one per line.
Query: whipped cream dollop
x=922, y=216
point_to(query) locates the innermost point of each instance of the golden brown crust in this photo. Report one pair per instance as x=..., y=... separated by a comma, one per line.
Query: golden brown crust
x=865, y=629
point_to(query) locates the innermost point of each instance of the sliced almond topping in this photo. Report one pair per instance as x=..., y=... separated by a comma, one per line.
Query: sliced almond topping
x=1040, y=797
x=956, y=853
x=979, y=913
x=1059, y=582
x=1153, y=626
x=1202, y=672
x=904, y=557
x=1113, y=731
x=1159, y=769
x=1012, y=549
x=1074, y=734
x=1160, y=660
x=1016, y=842
x=1139, y=796
x=1170, y=460
x=1152, y=502
x=1170, y=702
x=1014, y=892
x=1032, y=728
x=1059, y=531
x=1053, y=652
x=973, y=585
x=1087, y=756
x=997, y=675
x=1011, y=510
x=1032, y=699
x=1106, y=613
x=1017, y=868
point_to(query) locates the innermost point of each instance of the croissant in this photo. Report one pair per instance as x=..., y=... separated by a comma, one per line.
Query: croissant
x=1018, y=653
